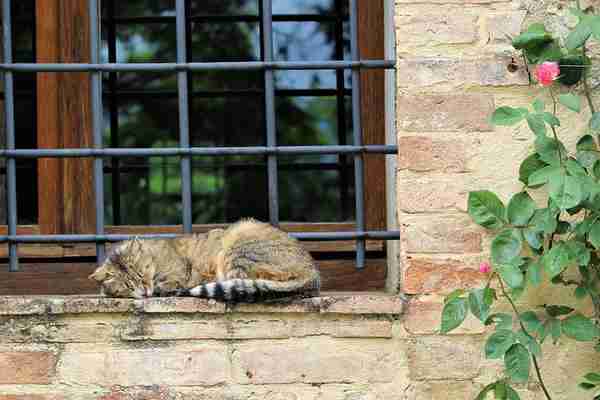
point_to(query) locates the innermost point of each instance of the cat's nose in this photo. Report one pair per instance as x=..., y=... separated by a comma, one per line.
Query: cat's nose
x=149, y=292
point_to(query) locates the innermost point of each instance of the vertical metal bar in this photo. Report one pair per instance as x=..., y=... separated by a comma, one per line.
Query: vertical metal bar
x=272, y=173
x=9, y=111
x=357, y=133
x=184, y=122
x=114, y=113
x=96, y=81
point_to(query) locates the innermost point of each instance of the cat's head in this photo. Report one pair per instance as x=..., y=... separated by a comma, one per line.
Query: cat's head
x=124, y=272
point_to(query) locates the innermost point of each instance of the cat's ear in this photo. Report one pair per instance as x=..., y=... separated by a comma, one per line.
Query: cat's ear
x=98, y=275
x=135, y=244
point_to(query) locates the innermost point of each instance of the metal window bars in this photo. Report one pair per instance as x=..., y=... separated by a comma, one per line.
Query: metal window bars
x=184, y=151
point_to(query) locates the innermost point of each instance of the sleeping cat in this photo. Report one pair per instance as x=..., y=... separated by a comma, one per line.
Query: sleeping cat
x=248, y=261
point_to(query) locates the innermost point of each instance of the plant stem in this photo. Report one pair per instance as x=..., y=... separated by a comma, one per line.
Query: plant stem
x=554, y=110
x=586, y=83
x=535, y=361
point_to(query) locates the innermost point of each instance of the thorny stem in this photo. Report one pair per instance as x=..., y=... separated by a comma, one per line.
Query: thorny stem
x=535, y=361
x=555, y=104
x=586, y=83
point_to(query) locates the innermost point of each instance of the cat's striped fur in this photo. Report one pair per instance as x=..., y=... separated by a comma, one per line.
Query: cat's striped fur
x=249, y=261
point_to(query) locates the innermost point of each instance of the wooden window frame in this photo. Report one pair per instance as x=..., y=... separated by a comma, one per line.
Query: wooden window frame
x=65, y=186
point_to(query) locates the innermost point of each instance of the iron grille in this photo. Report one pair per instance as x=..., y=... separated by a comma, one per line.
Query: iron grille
x=182, y=68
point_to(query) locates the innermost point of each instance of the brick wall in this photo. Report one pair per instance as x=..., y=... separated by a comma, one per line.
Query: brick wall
x=453, y=57
x=342, y=347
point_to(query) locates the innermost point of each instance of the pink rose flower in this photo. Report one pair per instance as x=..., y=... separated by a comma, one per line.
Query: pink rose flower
x=485, y=268
x=546, y=73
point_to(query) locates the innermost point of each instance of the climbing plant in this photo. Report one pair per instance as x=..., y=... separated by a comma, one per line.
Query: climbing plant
x=558, y=241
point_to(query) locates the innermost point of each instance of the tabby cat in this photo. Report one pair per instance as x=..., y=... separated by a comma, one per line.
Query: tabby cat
x=249, y=261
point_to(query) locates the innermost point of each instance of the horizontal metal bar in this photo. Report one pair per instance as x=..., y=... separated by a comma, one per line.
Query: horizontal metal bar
x=307, y=236
x=205, y=66
x=170, y=19
x=196, y=151
x=133, y=93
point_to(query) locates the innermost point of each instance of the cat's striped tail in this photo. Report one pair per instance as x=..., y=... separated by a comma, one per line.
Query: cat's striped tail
x=250, y=290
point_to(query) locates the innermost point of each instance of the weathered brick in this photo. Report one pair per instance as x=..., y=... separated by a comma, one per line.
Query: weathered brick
x=443, y=390
x=426, y=275
x=174, y=365
x=446, y=73
x=431, y=28
x=502, y=26
x=21, y=367
x=30, y=397
x=424, y=318
x=352, y=328
x=445, y=357
x=441, y=234
x=445, y=112
x=423, y=154
x=319, y=360
x=428, y=194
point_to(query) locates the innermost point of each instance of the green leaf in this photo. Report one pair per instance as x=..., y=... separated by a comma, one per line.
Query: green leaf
x=556, y=260
x=571, y=69
x=534, y=273
x=511, y=274
x=535, y=36
x=557, y=311
x=579, y=250
x=455, y=294
x=484, y=392
x=580, y=292
x=506, y=246
x=587, y=153
x=586, y=385
x=596, y=169
x=551, y=327
x=549, y=150
x=538, y=105
x=567, y=191
x=502, y=321
x=578, y=36
x=550, y=119
x=520, y=209
x=543, y=175
x=580, y=328
x=507, y=116
x=536, y=124
x=486, y=209
x=594, y=235
x=500, y=391
x=594, y=23
x=517, y=363
x=511, y=394
x=529, y=166
x=575, y=169
x=571, y=101
x=498, y=343
x=531, y=321
x=530, y=342
x=480, y=301
x=592, y=377
x=453, y=314
x=595, y=121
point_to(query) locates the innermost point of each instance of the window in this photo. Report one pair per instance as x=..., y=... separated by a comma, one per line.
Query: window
x=226, y=109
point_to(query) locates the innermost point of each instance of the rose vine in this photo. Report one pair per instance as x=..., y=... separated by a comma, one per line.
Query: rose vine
x=559, y=242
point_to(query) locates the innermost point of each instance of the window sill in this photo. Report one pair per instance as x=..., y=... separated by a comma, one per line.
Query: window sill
x=333, y=303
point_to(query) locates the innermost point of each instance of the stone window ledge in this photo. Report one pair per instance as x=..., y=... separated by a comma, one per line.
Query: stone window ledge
x=336, y=303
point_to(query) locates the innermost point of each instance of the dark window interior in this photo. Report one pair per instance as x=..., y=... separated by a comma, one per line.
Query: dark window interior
x=227, y=109
x=25, y=120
